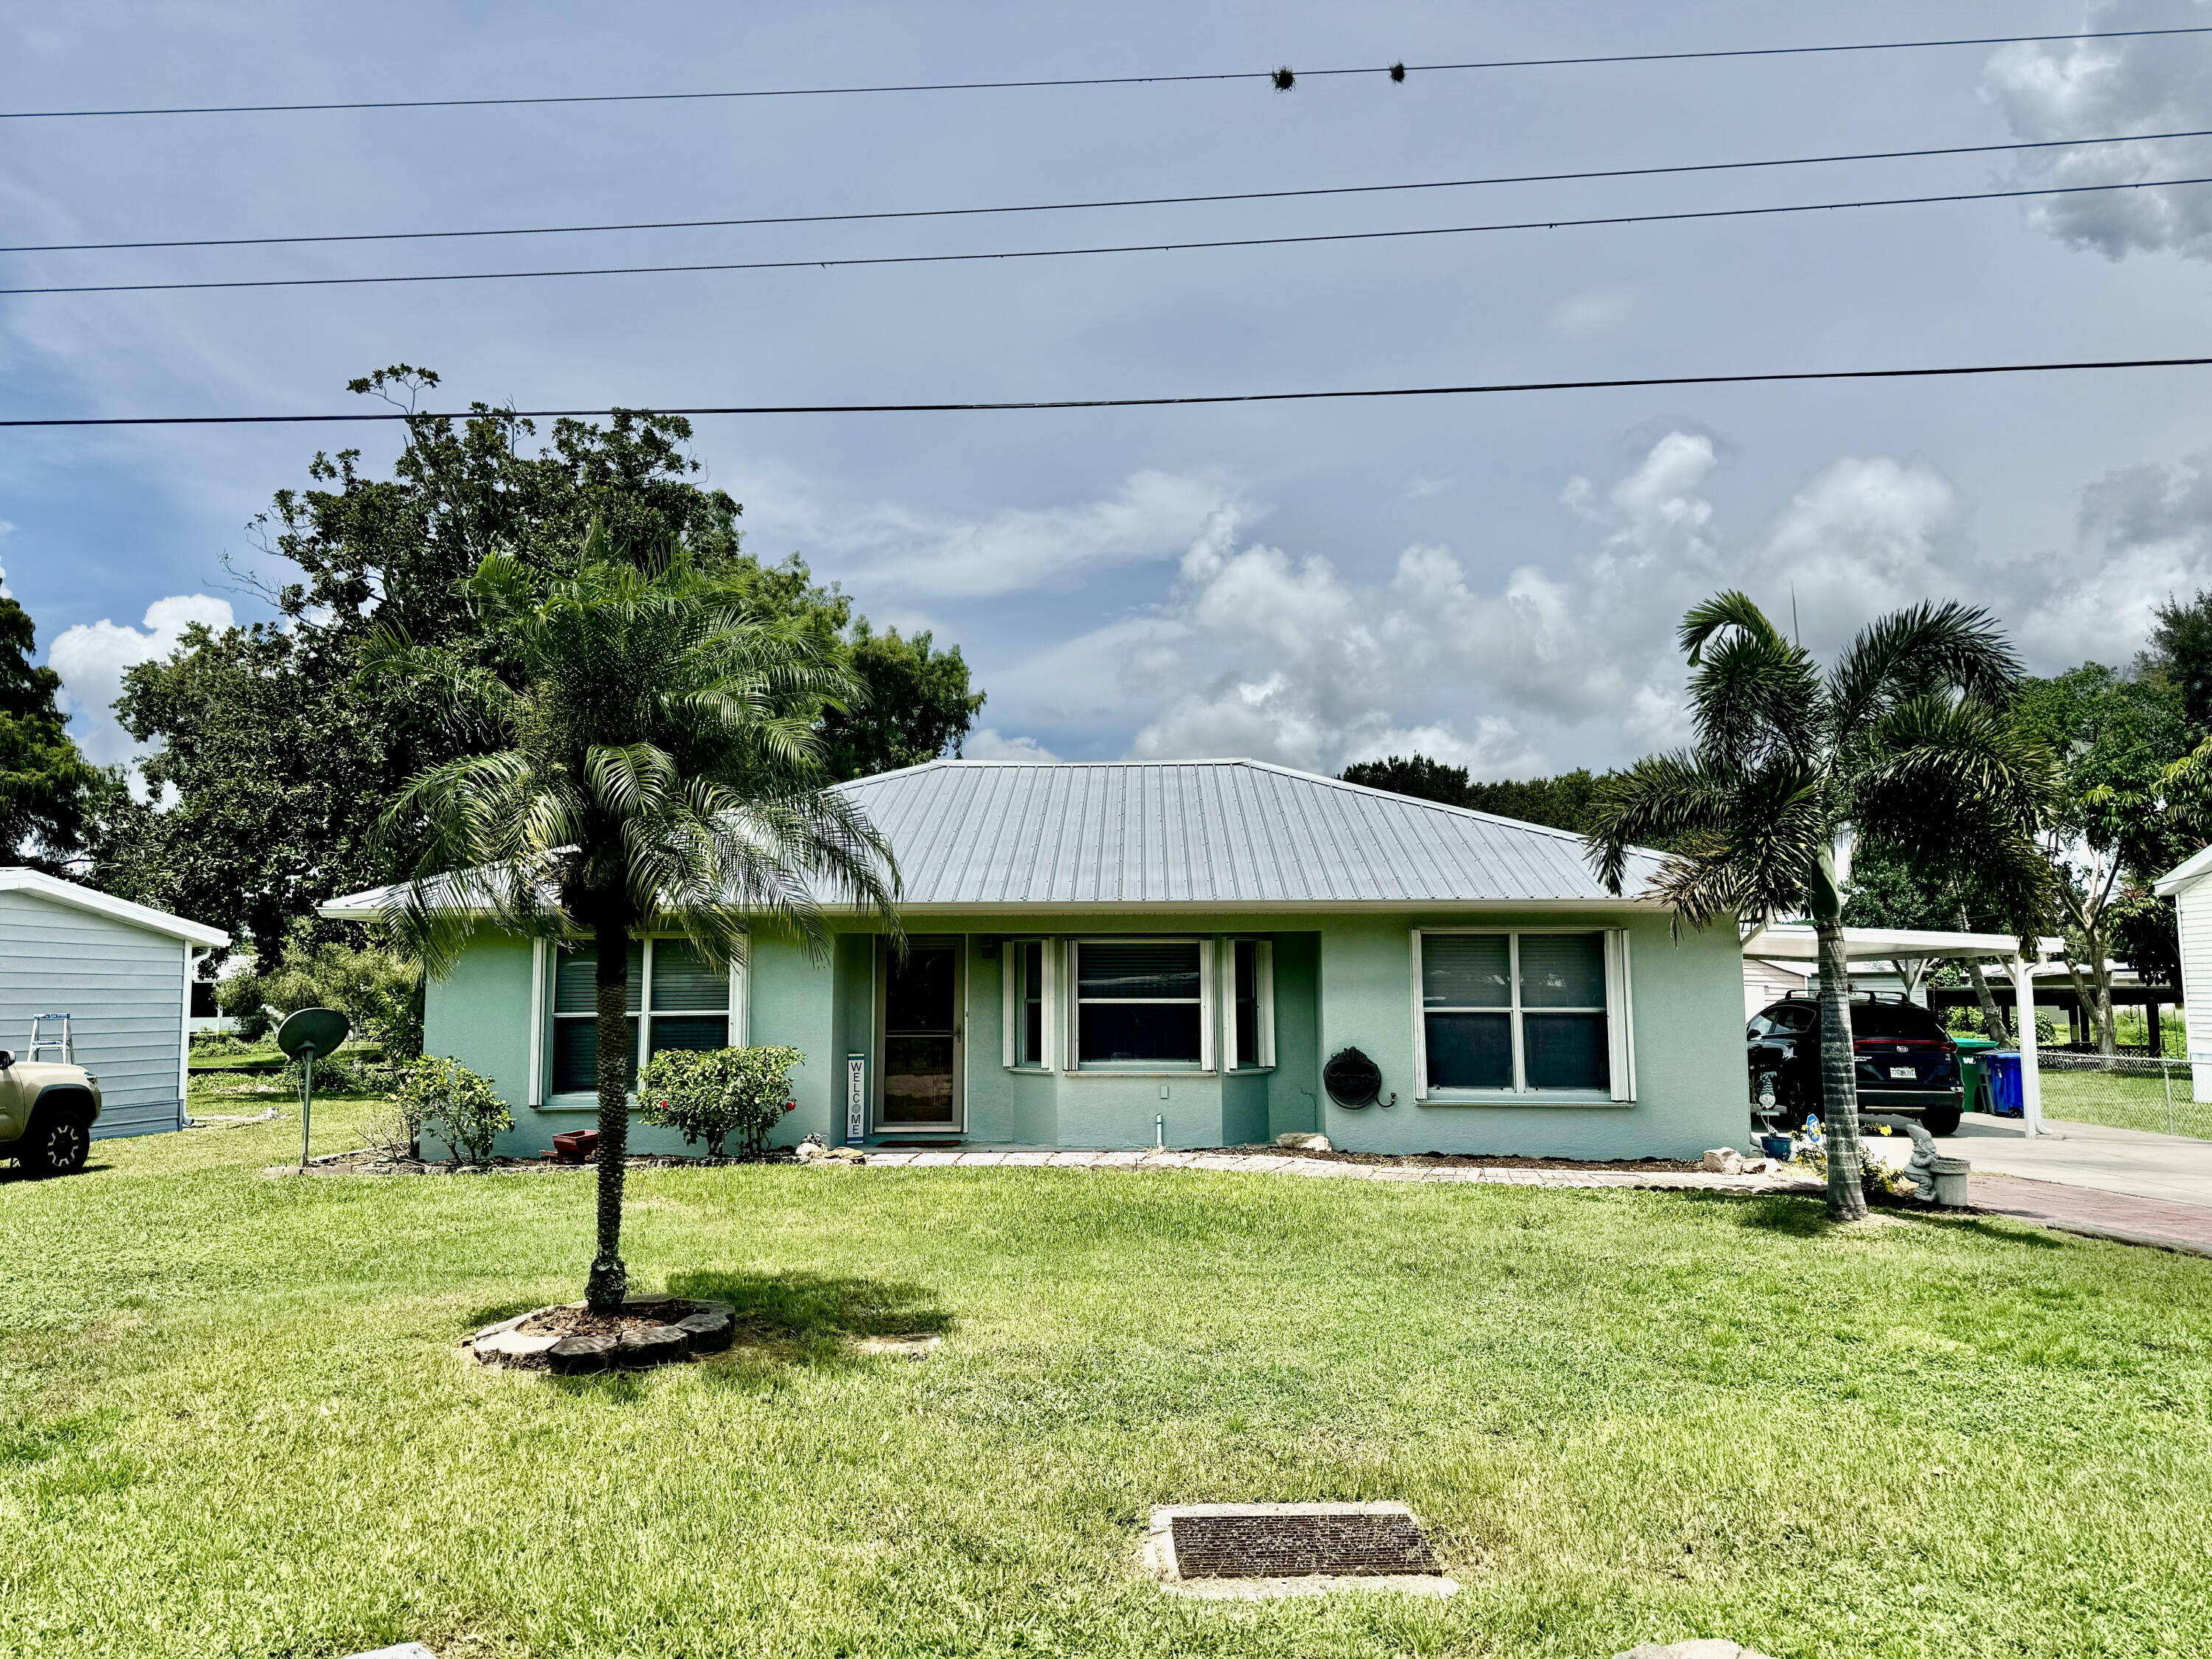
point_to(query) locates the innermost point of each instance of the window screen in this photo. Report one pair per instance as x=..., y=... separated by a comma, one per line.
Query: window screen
x=690, y=1009
x=1515, y=1012
x=1139, y=1001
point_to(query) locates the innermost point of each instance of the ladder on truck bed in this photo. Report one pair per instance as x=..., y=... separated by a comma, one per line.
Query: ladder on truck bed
x=44, y=1030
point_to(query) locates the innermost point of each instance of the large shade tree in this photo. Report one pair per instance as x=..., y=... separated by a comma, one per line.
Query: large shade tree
x=1904, y=744
x=268, y=754
x=641, y=748
x=47, y=788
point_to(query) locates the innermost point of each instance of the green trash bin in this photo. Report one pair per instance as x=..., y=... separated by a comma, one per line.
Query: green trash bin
x=1976, y=1098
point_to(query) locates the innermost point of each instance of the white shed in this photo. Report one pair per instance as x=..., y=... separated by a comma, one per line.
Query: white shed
x=123, y=974
x=2189, y=884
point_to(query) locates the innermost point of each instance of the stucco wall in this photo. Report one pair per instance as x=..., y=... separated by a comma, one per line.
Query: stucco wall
x=1688, y=1032
x=1339, y=980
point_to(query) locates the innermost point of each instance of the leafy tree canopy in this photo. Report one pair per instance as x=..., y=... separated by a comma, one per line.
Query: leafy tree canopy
x=1564, y=802
x=2178, y=659
x=47, y=788
x=272, y=756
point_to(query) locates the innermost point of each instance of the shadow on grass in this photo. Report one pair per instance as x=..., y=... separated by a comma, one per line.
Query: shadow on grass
x=1797, y=1217
x=784, y=1321
x=11, y=1173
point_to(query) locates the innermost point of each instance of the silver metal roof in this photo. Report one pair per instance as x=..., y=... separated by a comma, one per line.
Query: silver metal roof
x=1225, y=832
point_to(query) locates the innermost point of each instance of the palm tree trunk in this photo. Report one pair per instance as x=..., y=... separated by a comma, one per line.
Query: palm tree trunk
x=1839, y=1085
x=611, y=920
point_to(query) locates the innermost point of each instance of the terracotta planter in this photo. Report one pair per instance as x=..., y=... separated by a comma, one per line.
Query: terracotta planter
x=577, y=1146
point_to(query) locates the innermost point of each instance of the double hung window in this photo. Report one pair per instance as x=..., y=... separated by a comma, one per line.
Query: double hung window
x=1141, y=1004
x=1029, y=1006
x=1251, y=998
x=1523, y=1012
x=676, y=1001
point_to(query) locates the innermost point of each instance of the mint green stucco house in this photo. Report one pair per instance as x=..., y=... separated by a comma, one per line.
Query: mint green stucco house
x=1106, y=956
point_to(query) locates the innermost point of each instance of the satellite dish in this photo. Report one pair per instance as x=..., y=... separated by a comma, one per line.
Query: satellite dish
x=311, y=1033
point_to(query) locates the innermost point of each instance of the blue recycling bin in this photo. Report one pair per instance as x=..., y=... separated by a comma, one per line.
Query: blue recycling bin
x=2000, y=1066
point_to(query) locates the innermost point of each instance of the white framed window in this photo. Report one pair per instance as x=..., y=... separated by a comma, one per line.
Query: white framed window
x=1028, y=965
x=1538, y=1012
x=676, y=1001
x=1140, y=1005
x=1248, y=992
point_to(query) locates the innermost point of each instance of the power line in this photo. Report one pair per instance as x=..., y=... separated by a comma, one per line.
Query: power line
x=1625, y=383
x=1394, y=71
x=1116, y=202
x=1106, y=248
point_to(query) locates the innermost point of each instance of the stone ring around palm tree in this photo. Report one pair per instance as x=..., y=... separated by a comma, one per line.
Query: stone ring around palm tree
x=570, y=1340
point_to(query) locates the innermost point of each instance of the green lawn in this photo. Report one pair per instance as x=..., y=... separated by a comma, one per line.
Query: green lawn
x=2127, y=1101
x=231, y=1421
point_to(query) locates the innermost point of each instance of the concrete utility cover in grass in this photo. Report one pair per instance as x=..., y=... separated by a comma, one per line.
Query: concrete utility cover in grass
x=1292, y=1548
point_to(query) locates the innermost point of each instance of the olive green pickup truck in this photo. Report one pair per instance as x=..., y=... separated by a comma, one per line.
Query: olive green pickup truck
x=46, y=1113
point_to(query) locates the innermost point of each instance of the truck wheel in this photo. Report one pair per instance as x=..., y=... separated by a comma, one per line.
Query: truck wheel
x=57, y=1145
x=1941, y=1120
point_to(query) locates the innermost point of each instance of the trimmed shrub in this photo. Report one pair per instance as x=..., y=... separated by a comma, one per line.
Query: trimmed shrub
x=455, y=1104
x=722, y=1092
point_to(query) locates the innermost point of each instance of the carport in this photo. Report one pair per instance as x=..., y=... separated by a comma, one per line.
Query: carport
x=1904, y=945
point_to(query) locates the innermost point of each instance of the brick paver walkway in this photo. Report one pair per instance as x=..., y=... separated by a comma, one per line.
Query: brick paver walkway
x=2073, y=1209
x=2102, y=1214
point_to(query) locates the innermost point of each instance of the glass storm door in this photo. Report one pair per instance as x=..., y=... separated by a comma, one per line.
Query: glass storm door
x=922, y=1037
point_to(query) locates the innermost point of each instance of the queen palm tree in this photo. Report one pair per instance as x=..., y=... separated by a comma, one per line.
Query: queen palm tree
x=644, y=751
x=1904, y=743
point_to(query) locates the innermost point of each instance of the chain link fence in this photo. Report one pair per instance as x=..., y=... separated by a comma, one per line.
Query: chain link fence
x=2125, y=1092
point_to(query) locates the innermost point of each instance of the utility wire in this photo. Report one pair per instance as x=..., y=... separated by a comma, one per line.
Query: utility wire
x=1118, y=247
x=1281, y=78
x=1114, y=202
x=1627, y=383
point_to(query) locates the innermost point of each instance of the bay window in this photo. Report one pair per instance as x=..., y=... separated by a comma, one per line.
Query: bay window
x=1028, y=1004
x=1534, y=1011
x=1141, y=1004
x=1251, y=994
x=675, y=1000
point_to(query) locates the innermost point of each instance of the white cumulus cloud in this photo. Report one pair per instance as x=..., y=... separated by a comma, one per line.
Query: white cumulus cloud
x=891, y=548
x=91, y=659
x=2100, y=88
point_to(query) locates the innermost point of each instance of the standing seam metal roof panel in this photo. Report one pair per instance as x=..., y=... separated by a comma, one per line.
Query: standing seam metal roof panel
x=992, y=833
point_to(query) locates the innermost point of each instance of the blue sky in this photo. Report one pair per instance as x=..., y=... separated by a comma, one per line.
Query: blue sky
x=1494, y=580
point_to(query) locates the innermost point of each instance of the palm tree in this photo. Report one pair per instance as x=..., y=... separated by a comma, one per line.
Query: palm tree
x=1904, y=743
x=644, y=751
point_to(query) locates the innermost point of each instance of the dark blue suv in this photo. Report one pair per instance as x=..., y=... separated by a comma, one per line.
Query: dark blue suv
x=1907, y=1063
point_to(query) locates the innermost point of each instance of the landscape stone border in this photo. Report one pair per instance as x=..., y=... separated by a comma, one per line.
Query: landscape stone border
x=705, y=1328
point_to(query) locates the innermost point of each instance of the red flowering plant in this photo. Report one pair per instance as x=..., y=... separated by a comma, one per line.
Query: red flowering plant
x=722, y=1092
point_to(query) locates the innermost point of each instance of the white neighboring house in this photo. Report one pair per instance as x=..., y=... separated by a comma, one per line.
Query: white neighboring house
x=2189, y=884
x=122, y=972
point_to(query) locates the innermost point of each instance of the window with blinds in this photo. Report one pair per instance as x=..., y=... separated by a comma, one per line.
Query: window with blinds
x=675, y=1000
x=1141, y=1003
x=1522, y=1012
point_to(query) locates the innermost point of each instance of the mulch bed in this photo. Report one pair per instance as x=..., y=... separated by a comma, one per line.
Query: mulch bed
x=1479, y=1161
x=582, y=1322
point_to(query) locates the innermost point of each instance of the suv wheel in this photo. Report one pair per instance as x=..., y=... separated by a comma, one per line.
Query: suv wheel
x=1941, y=1120
x=57, y=1145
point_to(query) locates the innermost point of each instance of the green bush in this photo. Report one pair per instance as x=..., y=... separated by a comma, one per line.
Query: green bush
x=379, y=993
x=712, y=1095
x=455, y=1104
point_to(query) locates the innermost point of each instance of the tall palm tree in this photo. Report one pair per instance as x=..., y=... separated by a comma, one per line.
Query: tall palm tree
x=645, y=752
x=1904, y=742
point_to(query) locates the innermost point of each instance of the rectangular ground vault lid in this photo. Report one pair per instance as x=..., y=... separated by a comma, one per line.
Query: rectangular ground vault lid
x=1290, y=1540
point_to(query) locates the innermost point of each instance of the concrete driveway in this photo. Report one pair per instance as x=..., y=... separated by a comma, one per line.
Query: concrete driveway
x=2174, y=1168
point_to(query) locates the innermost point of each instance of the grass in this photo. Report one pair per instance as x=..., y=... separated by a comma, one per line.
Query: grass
x=2127, y=1100
x=231, y=1421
